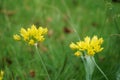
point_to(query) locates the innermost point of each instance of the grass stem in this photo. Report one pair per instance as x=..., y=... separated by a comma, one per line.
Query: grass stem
x=99, y=68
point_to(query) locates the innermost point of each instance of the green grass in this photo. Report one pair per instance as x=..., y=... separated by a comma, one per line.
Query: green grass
x=86, y=18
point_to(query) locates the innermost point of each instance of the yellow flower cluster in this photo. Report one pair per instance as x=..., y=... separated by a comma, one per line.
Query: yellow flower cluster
x=31, y=35
x=1, y=75
x=90, y=46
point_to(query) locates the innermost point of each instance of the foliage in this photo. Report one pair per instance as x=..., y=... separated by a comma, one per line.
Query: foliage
x=66, y=20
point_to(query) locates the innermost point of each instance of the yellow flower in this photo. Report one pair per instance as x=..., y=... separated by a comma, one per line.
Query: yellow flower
x=16, y=37
x=87, y=40
x=31, y=42
x=24, y=34
x=42, y=30
x=1, y=75
x=90, y=52
x=33, y=34
x=90, y=46
x=73, y=46
x=78, y=53
x=82, y=45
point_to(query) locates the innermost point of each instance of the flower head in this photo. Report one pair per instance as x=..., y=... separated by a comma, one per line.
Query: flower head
x=90, y=46
x=31, y=35
x=1, y=75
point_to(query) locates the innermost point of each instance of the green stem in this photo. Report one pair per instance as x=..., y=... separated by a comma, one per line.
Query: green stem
x=43, y=64
x=99, y=68
x=88, y=75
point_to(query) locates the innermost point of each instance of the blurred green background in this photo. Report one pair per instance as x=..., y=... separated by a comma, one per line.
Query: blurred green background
x=67, y=21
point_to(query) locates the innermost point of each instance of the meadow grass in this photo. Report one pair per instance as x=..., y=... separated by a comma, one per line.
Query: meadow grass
x=81, y=18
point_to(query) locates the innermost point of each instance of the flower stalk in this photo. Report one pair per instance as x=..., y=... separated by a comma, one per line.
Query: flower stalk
x=42, y=62
x=89, y=66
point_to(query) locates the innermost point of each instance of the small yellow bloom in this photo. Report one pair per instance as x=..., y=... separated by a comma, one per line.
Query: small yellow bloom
x=42, y=30
x=33, y=34
x=78, y=53
x=73, y=46
x=1, y=75
x=31, y=42
x=16, y=37
x=100, y=40
x=24, y=34
x=87, y=40
x=90, y=52
x=82, y=45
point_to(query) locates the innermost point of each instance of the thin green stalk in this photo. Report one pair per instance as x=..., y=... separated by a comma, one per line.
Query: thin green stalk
x=115, y=21
x=99, y=68
x=43, y=64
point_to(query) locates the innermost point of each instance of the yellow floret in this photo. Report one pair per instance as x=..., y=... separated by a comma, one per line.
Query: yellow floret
x=78, y=53
x=73, y=46
x=31, y=42
x=16, y=37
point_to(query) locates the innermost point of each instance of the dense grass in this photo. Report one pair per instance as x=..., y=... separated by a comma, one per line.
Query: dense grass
x=80, y=18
